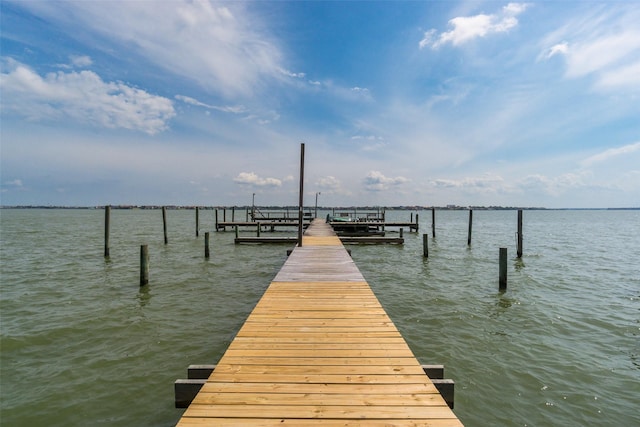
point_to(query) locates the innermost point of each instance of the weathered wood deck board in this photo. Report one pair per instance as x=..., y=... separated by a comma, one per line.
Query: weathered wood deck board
x=319, y=350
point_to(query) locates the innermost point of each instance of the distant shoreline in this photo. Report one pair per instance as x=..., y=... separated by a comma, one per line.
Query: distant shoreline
x=390, y=208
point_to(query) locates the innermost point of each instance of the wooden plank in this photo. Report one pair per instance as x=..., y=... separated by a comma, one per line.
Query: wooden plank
x=327, y=388
x=426, y=399
x=321, y=411
x=312, y=361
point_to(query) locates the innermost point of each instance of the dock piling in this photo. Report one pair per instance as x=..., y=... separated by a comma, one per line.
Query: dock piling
x=197, y=222
x=164, y=224
x=502, y=280
x=433, y=222
x=470, y=226
x=519, y=248
x=425, y=245
x=206, y=244
x=107, y=220
x=144, y=265
x=301, y=195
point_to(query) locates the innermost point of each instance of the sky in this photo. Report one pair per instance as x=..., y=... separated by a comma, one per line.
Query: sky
x=428, y=103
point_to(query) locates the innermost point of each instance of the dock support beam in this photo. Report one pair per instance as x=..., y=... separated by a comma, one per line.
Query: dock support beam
x=187, y=389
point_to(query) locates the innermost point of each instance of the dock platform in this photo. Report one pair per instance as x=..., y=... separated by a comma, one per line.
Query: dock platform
x=319, y=350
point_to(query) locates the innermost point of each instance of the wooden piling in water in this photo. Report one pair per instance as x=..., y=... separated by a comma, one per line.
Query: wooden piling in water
x=164, y=224
x=519, y=248
x=502, y=279
x=425, y=245
x=433, y=222
x=206, y=244
x=470, y=226
x=107, y=221
x=233, y=214
x=237, y=232
x=144, y=265
x=197, y=221
x=401, y=232
x=217, y=220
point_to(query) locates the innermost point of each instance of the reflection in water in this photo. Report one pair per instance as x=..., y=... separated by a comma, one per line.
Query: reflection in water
x=144, y=296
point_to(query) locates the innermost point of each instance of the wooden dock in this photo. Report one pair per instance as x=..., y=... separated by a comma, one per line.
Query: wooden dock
x=319, y=349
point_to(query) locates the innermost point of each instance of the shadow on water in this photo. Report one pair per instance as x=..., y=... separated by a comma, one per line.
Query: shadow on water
x=502, y=305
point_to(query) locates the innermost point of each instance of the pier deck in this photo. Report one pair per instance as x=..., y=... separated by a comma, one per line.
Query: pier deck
x=319, y=349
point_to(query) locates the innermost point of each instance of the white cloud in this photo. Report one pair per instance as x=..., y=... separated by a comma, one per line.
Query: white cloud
x=292, y=74
x=467, y=28
x=83, y=97
x=250, y=178
x=611, y=153
x=328, y=183
x=604, y=45
x=485, y=183
x=625, y=76
x=81, y=61
x=220, y=46
x=558, y=49
x=376, y=181
x=234, y=109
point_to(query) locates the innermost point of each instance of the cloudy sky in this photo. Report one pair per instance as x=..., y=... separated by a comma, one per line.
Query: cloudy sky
x=398, y=103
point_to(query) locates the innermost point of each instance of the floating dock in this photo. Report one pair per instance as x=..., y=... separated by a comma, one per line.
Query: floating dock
x=319, y=350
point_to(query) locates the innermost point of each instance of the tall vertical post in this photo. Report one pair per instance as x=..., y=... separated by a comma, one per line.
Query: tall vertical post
x=206, y=244
x=107, y=220
x=502, y=279
x=164, y=224
x=425, y=245
x=470, y=226
x=217, y=229
x=519, y=248
x=417, y=223
x=144, y=265
x=197, y=221
x=233, y=214
x=237, y=232
x=301, y=194
x=433, y=222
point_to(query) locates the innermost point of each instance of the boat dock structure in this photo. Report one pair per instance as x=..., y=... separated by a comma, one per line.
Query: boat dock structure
x=318, y=349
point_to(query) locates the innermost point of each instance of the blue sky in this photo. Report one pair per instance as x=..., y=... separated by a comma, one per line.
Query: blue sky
x=398, y=103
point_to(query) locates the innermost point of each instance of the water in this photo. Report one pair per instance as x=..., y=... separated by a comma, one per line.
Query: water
x=83, y=344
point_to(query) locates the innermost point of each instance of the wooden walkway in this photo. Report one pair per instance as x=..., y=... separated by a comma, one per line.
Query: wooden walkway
x=319, y=349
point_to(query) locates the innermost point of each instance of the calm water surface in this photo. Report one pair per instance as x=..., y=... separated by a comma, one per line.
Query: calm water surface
x=83, y=344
